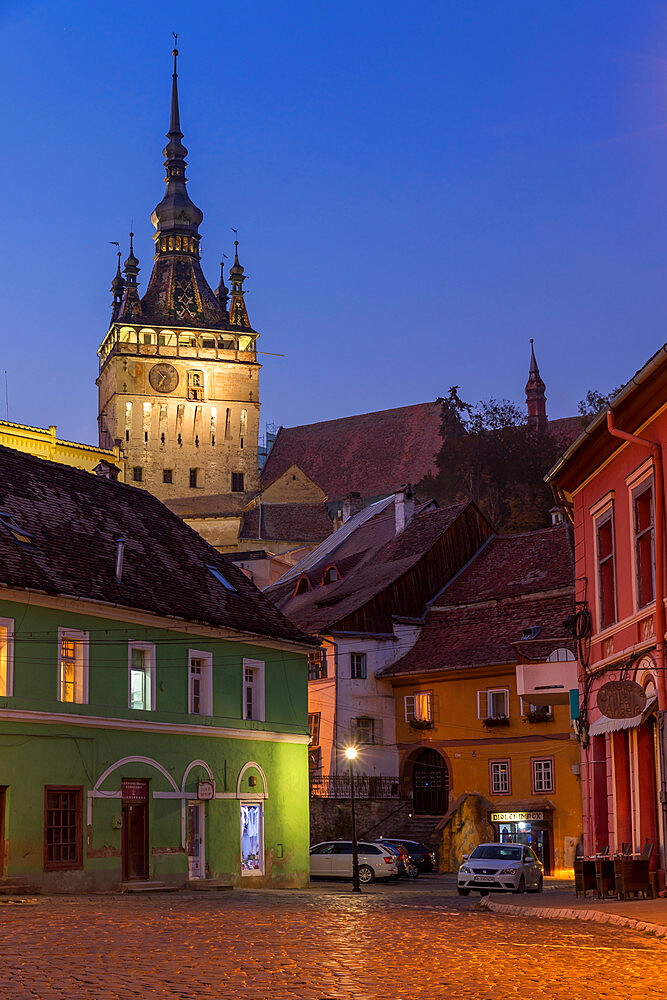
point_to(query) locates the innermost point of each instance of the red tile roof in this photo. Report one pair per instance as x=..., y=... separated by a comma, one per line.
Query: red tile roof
x=513, y=565
x=75, y=520
x=371, y=559
x=373, y=453
x=514, y=583
x=297, y=522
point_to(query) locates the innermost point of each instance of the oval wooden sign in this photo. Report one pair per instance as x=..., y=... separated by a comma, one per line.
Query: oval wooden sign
x=621, y=699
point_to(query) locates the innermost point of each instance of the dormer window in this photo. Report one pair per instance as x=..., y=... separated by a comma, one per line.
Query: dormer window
x=20, y=536
x=303, y=586
x=222, y=579
x=330, y=575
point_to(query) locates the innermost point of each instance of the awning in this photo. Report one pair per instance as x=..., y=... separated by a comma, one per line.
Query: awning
x=605, y=725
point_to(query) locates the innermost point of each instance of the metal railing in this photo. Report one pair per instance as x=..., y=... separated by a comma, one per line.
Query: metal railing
x=366, y=786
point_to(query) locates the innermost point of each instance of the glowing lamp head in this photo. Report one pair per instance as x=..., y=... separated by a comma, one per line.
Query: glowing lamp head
x=351, y=753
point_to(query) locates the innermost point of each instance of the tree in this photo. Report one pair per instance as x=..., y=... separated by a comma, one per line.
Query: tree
x=489, y=455
x=595, y=401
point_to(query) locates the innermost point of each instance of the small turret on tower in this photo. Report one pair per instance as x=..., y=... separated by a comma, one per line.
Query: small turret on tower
x=222, y=292
x=131, y=304
x=117, y=289
x=536, y=400
x=238, y=314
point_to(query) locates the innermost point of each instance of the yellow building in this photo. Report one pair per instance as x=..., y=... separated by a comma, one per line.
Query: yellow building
x=482, y=704
x=44, y=443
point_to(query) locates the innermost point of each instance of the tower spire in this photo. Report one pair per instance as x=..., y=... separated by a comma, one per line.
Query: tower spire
x=131, y=305
x=176, y=218
x=117, y=289
x=238, y=314
x=536, y=400
x=222, y=292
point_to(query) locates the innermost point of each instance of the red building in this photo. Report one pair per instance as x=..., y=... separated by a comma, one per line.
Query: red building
x=610, y=482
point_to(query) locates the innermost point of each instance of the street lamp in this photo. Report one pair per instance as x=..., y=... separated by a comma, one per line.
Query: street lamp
x=351, y=753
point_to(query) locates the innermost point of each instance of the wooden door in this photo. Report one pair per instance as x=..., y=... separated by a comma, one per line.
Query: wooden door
x=430, y=784
x=135, y=831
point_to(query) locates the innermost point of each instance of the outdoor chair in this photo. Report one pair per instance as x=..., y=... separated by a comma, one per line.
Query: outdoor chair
x=604, y=875
x=584, y=876
x=647, y=850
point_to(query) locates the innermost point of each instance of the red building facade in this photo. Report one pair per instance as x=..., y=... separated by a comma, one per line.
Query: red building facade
x=611, y=484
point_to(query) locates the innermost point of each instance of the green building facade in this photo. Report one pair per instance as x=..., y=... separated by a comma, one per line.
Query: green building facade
x=137, y=743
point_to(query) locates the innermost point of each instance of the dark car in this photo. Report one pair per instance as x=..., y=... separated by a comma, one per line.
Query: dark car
x=422, y=856
x=407, y=866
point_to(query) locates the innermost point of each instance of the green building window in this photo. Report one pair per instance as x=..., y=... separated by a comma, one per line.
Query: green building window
x=63, y=828
x=142, y=676
x=6, y=650
x=73, y=666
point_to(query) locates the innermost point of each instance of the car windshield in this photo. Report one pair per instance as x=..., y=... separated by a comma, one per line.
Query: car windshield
x=497, y=852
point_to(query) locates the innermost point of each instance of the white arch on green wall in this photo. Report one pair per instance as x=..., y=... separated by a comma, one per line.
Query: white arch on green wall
x=254, y=795
x=135, y=760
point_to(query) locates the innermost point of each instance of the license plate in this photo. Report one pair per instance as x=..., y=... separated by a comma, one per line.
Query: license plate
x=484, y=878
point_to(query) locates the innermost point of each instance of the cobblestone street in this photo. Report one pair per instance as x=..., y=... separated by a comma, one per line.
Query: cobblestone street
x=318, y=945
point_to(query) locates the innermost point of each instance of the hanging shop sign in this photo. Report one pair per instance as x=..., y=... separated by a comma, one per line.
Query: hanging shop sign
x=519, y=817
x=205, y=790
x=621, y=699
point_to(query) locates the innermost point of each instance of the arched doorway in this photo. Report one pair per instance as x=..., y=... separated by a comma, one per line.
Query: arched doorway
x=430, y=784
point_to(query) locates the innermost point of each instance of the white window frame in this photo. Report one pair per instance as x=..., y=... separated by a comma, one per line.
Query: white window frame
x=252, y=802
x=84, y=638
x=507, y=774
x=528, y=706
x=355, y=729
x=411, y=700
x=8, y=623
x=364, y=667
x=258, y=686
x=483, y=698
x=206, y=696
x=148, y=647
x=534, y=763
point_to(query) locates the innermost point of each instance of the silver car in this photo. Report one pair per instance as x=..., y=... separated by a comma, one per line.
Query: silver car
x=500, y=868
x=333, y=859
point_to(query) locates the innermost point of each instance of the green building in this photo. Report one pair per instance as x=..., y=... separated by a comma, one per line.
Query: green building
x=153, y=703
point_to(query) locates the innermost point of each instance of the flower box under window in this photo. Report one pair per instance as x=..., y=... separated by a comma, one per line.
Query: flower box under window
x=496, y=720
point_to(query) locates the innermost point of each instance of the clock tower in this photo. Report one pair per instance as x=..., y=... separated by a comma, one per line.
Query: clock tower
x=179, y=378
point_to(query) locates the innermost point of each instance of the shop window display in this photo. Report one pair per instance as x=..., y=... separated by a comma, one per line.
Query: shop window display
x=251, y=839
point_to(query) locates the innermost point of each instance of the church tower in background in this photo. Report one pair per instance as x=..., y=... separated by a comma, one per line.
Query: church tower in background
x=179, y=378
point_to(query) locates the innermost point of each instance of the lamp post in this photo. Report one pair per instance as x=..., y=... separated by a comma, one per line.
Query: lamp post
x=351, y=753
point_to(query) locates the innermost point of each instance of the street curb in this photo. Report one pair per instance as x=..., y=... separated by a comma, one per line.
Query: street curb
x=572, y=913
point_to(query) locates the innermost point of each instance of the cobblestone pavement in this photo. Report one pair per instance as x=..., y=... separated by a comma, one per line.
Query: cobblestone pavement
x=323, y=944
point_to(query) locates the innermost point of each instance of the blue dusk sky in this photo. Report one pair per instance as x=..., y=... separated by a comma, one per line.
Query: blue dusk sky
x=418, y=190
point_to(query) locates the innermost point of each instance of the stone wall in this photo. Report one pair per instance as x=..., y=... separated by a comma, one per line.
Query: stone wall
x=465, y=826
x=330, y=818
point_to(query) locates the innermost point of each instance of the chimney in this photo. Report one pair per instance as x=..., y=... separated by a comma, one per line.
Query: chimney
x=404, y=507
x=351, y=505
x=107, y=469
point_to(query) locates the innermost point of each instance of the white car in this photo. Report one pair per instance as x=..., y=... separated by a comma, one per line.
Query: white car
x=500, y=868
x=333, y=859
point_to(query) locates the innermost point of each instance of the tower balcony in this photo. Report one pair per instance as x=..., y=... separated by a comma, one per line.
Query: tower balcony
x=211, y=345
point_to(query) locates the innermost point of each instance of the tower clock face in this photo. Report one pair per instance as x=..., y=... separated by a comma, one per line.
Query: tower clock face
x=163, y=377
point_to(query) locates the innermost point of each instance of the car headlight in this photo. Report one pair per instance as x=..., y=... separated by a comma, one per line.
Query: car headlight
x=464, y=868
x=508, y=871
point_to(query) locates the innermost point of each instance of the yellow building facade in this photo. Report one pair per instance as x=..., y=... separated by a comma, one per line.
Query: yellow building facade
x=526, y=769
x=482, y=703
x=43, y=442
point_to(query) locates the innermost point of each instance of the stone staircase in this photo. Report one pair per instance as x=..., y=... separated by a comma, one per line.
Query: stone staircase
x=148, y=886
x=421, y=828
x=15, y=885
x=208, y=884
